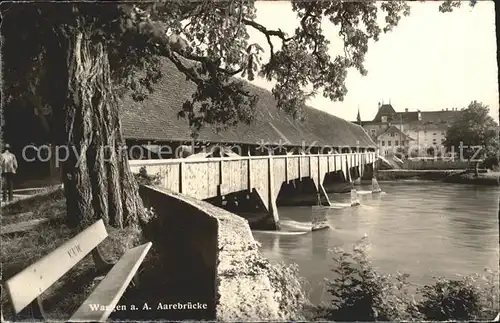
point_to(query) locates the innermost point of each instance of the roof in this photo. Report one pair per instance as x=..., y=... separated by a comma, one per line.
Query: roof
x=394, y=129
x=156, y=119
x=440, y=116
x=384, y=110
x=429, y=119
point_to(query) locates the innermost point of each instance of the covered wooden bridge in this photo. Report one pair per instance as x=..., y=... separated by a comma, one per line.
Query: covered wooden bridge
x=256, y=158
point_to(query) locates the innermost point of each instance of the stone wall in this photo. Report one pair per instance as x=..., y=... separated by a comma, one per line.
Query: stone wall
x=216, y=249
x=185, y=247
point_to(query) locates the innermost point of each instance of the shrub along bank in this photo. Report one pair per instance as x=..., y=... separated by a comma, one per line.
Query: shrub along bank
x=361, y=293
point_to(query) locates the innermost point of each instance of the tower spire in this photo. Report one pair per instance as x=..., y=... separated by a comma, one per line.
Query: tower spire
x=358, y=119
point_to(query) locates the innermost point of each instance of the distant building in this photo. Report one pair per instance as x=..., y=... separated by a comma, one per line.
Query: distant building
x=416, y=131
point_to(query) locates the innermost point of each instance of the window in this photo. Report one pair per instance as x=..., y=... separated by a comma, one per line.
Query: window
x=442, y=134
x=392, y=134
x=388, y=143
x=396, y=143
x=383, y=143
x=384, y=118
x=434, y=134
x=373, y=132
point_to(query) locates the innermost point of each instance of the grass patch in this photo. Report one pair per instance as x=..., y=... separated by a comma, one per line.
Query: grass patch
x=50, y=202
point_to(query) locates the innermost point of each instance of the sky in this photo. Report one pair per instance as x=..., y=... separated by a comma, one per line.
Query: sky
x=430, y=61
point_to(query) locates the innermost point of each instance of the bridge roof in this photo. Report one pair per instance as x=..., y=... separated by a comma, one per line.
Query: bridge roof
x=156, y=119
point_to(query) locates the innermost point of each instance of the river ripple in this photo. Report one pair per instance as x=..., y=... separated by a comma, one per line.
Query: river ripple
x=425, y=229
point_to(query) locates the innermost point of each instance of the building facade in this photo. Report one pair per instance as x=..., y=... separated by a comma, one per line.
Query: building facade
x=417, y=132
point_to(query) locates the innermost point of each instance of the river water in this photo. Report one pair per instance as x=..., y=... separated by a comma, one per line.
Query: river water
x=422, y=228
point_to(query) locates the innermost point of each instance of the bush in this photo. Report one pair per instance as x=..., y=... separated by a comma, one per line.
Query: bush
x=473, y=297
x=401, y=152
x=361, y=293
x=143, y=178
x=490, y=162
x=450, y=299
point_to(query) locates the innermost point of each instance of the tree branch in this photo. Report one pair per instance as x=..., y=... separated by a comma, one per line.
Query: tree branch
x=268, y=33
x=278, y=33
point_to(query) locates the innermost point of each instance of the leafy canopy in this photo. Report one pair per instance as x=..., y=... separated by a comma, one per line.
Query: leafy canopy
x=207, y=40
x=475, y=127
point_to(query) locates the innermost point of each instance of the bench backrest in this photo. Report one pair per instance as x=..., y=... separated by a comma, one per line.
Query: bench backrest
x=27, y=285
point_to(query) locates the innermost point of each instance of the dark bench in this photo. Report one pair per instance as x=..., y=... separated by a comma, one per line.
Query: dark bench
x=25, y=288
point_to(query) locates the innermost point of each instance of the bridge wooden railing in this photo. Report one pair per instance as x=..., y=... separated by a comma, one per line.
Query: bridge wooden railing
x=260, y=175
x=208, y=177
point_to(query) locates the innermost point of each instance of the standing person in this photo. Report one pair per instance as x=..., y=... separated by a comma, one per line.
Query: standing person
x=9, y=168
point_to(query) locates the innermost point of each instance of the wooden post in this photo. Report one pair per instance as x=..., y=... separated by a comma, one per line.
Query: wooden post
x=221, y=176
x=181, y=177
x=321, y=189
x=249, y=172
x=270, y=181
x=320, y=180
x=273, y=209
x=286, y=169
x=342, y=165
x=300, y=167
x=362, y=165
x=164, y=177
x=310, y=166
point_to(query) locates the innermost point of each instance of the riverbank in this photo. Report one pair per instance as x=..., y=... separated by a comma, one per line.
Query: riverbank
x=490, y=178
x=460, y=176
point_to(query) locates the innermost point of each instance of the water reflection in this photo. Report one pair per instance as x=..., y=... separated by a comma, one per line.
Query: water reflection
x=422, y=228
x=320, y=244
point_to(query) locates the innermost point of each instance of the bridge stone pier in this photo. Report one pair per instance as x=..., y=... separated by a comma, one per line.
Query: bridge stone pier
x=260, y=177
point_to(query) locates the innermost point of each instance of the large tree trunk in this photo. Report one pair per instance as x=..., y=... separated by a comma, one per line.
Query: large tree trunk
x=97, y=180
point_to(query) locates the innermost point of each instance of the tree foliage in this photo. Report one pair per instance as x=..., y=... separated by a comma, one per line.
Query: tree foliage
x=474, y=128
x=214, y=34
